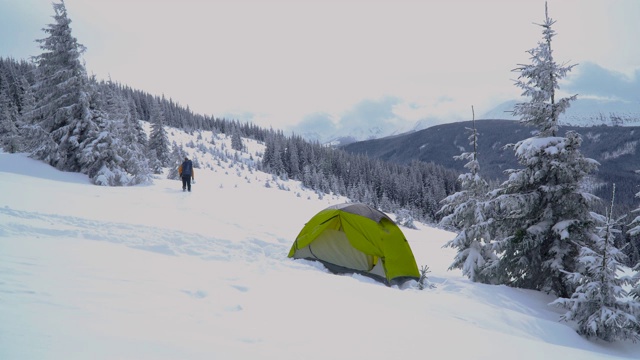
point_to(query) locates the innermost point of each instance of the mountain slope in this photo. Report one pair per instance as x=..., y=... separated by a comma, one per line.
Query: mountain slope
x=374, y=120
x=150, y=272
x=615, y=147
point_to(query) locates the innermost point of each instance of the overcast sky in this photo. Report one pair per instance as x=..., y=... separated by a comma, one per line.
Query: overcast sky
x=278, y=63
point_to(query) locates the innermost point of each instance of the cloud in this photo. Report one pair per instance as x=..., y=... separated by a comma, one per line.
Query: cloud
x=315, y=126
x=382, y=116
x=279, y=63
x=592, y=80
x=370, y=113
x=366, y=117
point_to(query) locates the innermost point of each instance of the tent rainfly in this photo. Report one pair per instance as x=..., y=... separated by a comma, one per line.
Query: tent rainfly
x=356, y=238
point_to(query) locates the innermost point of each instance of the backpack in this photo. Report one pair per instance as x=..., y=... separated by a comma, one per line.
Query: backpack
x=186, y=168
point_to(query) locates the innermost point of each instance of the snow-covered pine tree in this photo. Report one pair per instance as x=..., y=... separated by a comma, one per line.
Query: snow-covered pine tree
x=464, y=211
x=634, y=225
x=292, y=157
x=27, y=105
x=100, y=157
x=540, y=213
x=113, y=157
x=27, y=100
x=634, y=232
x=600, y=306
x=127, y=130
x=236, y=139
x=134, y=152
x=141, y=135
x=177, y=157
x=158, y=146
x=273, y=153
x=405, y=218
x=9, y=135
x=62, y=108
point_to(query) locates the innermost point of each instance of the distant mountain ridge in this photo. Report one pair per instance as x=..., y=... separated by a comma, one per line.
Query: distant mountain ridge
x=585, y=111
x=614, y=147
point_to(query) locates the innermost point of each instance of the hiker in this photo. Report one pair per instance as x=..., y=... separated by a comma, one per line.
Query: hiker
x=186, y=173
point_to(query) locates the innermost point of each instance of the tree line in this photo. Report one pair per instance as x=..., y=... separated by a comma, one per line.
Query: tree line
x=416, y=188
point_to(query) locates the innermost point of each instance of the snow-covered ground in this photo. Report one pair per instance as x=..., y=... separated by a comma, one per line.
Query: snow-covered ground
x=150, y=272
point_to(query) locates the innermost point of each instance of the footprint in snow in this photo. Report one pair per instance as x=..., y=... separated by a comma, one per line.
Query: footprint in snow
x=240, y=288
x=198, y=294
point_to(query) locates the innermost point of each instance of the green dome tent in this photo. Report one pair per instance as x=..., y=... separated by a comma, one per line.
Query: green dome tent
x=355, y=238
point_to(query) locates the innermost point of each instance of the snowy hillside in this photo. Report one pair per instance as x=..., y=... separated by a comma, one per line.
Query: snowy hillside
x=150, y=272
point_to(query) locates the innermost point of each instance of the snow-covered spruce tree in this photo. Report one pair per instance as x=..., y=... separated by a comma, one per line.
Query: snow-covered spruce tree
x=158, y=146
x=113, y=157
x=100, y=157
x=9, y=135
x=140, y=134
x=32, y=134
x=134, y=152
x=236, y=139
x=600, y=306
x=131, y=149
x=463, y=211
x=177, y=157
x=405, y=218
x=27, y=100
x=292, y=157
x=634, y=225
x=27, y=105
x=62, y=99
x=272, y=158
x=541, y=213
x=634, y=231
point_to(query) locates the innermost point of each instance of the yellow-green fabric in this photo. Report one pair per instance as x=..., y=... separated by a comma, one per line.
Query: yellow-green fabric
x=380, y=240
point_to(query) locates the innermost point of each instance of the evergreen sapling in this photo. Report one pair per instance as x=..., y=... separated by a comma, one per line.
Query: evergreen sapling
x=600, y=305
x=464, y=211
